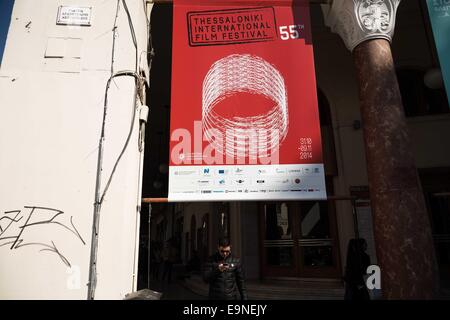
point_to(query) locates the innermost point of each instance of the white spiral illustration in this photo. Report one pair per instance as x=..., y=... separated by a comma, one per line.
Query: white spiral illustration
x=245, y=73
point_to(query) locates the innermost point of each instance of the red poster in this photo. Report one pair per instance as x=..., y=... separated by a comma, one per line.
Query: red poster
x=244, y=114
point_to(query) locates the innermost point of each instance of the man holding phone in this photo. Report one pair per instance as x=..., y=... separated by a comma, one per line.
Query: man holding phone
x=224, y=274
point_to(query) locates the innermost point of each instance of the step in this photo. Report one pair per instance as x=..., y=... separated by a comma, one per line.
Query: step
x=278, y=292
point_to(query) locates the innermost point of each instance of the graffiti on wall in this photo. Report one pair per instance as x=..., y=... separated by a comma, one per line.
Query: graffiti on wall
x=18, y=229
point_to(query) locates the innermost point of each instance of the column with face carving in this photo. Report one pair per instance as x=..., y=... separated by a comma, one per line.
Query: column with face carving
x=402, y=228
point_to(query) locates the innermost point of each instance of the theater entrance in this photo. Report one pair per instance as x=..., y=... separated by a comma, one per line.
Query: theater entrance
x=299, y=240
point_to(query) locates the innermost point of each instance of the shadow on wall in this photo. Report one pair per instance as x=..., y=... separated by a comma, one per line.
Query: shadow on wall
x=155, y=176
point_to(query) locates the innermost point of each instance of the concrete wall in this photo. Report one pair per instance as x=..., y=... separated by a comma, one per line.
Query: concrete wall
x=52, y=86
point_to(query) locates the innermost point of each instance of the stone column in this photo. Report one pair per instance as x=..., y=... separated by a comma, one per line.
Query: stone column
x=402, y=231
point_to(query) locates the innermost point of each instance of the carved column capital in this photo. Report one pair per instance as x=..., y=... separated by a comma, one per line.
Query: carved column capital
x=357, y=21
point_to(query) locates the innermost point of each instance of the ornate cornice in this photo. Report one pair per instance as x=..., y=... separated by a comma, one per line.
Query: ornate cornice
x=357, y=21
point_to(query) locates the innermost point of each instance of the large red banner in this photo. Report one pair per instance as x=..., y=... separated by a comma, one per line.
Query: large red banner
x=244, y=114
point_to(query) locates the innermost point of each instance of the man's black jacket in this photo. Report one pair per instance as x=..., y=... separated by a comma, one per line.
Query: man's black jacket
x=225, y=285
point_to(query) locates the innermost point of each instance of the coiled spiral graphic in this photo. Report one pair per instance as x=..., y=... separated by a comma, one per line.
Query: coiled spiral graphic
x=245, y=73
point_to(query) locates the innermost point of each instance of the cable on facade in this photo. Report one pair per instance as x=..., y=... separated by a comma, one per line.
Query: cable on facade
x=133, y=33
x=121, y=74
x=99, y=199
x=130, y=132
x=114, y=37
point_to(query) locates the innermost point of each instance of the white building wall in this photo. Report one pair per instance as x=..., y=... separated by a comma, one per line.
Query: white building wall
x=52, y=87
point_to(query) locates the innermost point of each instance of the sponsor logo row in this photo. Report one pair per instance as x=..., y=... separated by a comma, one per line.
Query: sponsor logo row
x=246, y=181
x=245, y=171
x=308, y=190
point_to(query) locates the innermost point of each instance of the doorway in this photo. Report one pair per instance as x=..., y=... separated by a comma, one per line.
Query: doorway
x=299, y=240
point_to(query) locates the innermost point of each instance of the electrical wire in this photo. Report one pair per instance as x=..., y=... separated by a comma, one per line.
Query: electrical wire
x=120, y=74
x=114, y=37
x=133, y=33
x=144, y=2
x=99, y=199
x=130, y=132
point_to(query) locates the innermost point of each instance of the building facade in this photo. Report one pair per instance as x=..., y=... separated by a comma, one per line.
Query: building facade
x=74, y=82
x=313, y=238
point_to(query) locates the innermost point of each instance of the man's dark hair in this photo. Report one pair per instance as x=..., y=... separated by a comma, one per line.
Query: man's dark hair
x=224, y=242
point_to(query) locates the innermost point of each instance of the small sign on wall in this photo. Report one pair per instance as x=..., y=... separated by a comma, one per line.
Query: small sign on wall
x=74, y=16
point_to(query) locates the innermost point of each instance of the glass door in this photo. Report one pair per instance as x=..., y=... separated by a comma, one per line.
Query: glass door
x=278, y=253
x=299, y=239
x=317, y=240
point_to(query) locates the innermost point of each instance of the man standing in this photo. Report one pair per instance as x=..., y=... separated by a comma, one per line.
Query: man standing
x=224, y=274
